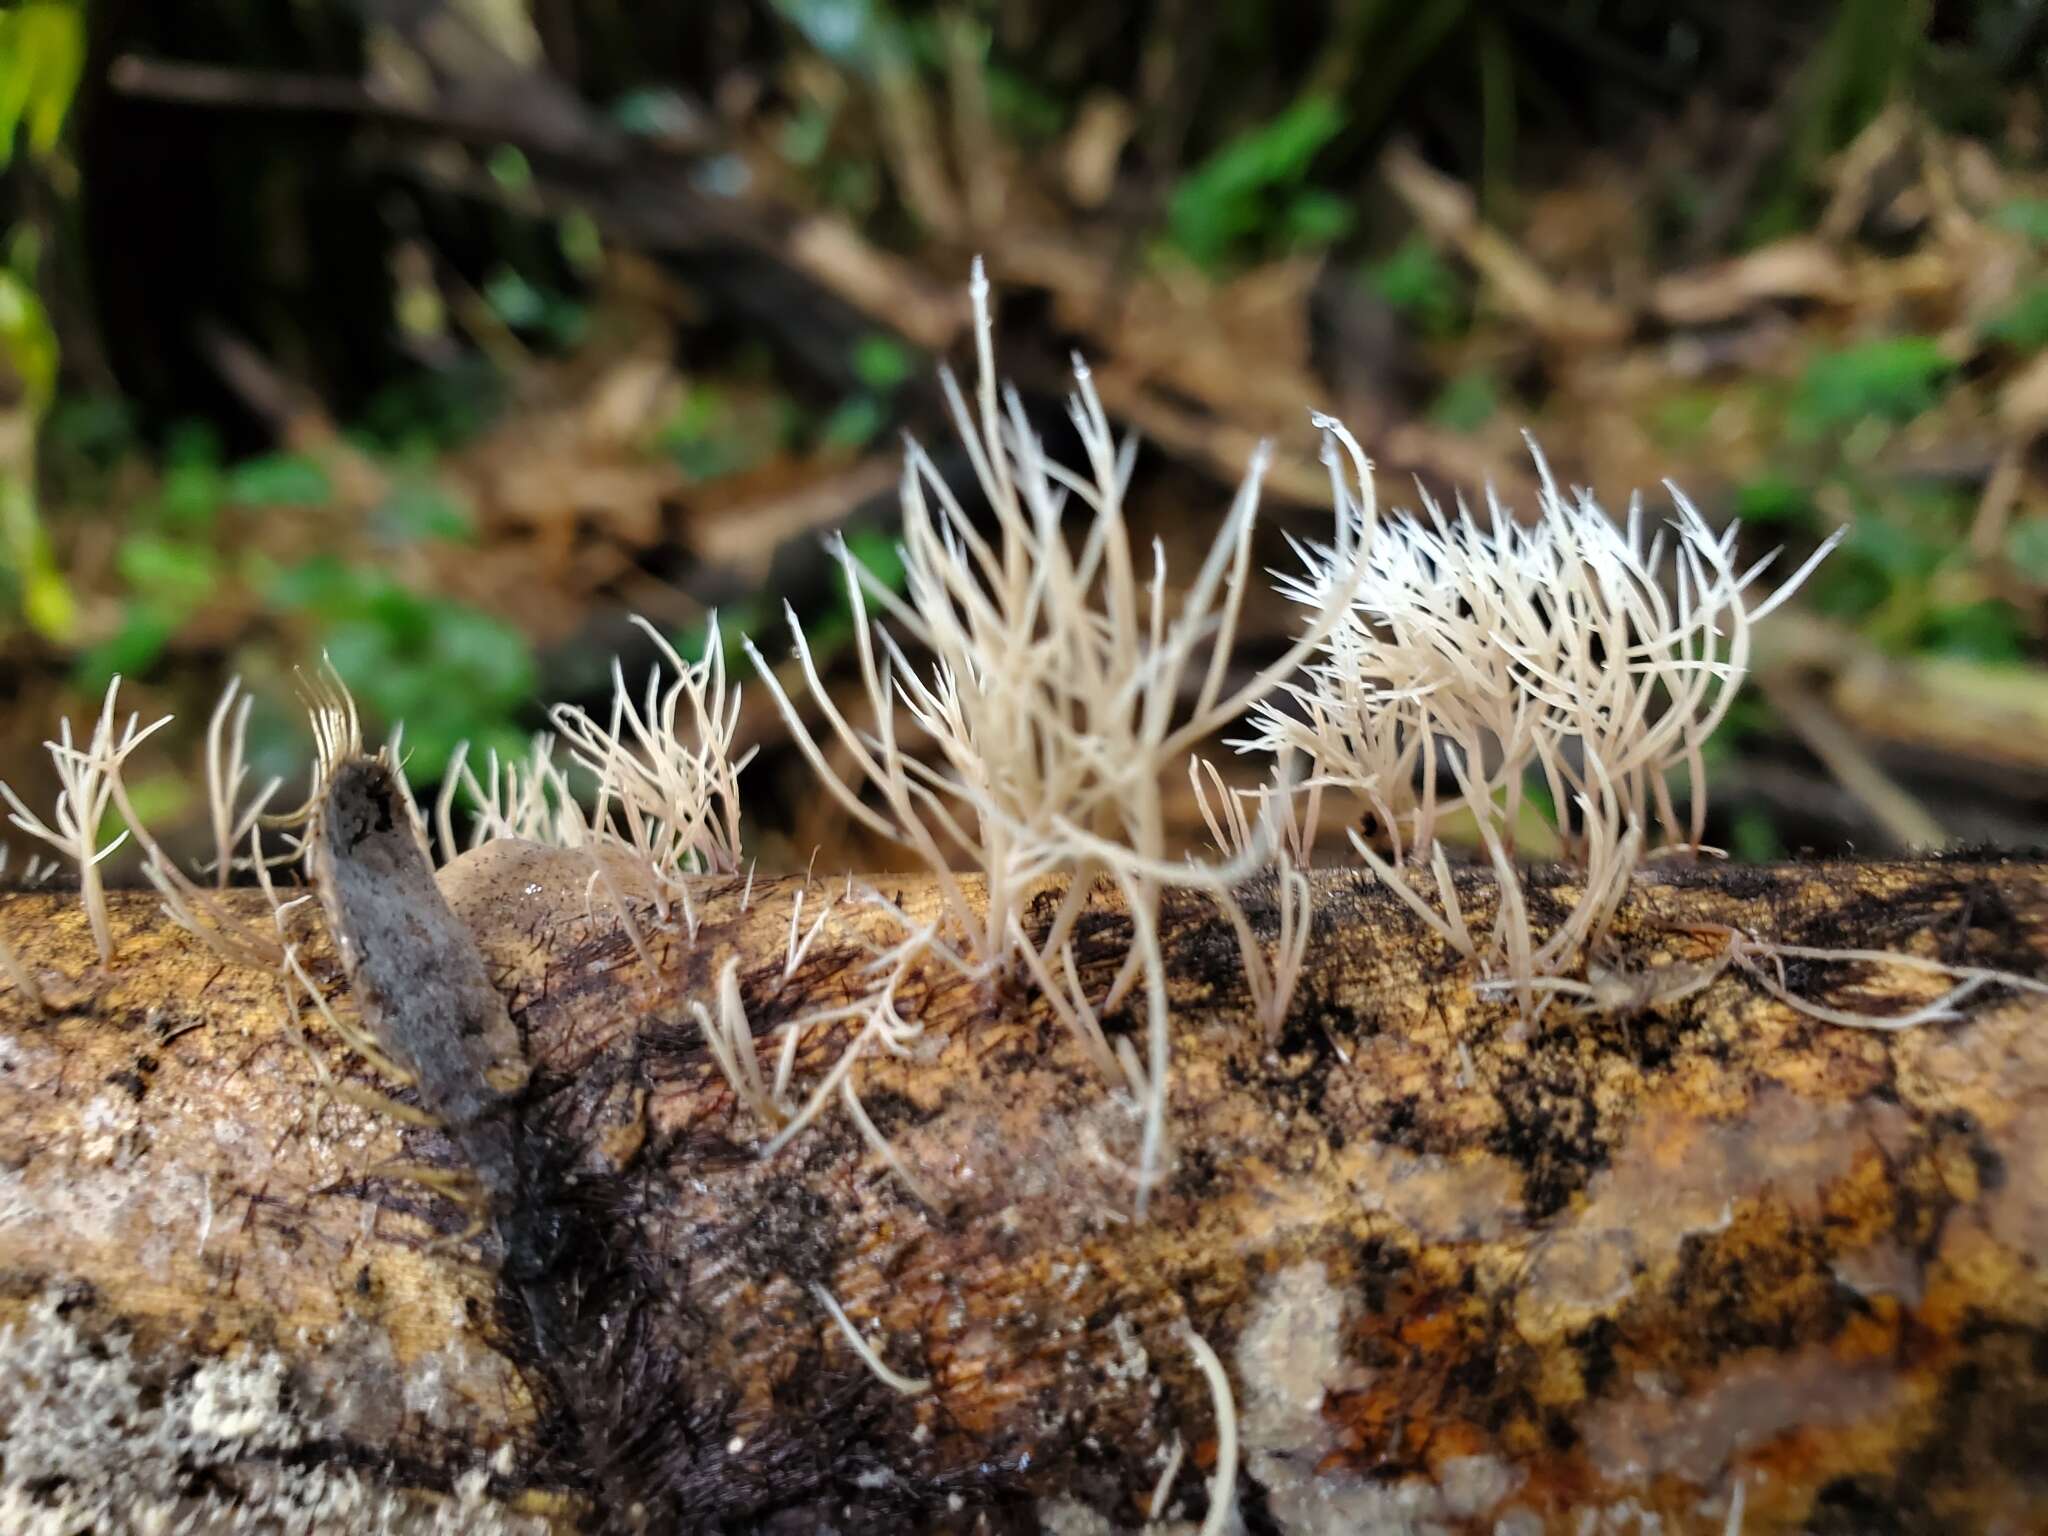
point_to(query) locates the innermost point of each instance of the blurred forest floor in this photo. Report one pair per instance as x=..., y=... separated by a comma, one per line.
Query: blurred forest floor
x=439, y=337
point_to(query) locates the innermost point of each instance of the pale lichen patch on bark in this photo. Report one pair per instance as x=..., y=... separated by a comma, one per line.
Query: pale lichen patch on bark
x=1470, y=1197
x=1290, y=1356
x=1655, y=1431
x=94, y=1436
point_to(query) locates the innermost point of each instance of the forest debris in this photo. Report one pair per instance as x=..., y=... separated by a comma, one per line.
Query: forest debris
x=1905, y=820
x=1859, y=172
x=1796, y=269
x=1995, y=505
x=739, y=525
x=832, y=253
x=1206, y=370
x=977, y=145
x=1682, y=1188
x=1966, y=711
x=1449, y=213
x=1991, y=716
x=910, y=139
x=1103, y=125
x=2023, y=402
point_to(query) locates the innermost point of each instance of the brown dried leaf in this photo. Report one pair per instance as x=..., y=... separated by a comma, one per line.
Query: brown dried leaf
x=1801, y=268
x=2023, y=403
x=1102, y=127
x=1449, y=215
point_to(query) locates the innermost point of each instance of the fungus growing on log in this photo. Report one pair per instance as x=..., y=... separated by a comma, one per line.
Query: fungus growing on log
x=587, y=1182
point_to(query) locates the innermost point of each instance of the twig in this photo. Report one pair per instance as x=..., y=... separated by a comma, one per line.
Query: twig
x=1905, y=820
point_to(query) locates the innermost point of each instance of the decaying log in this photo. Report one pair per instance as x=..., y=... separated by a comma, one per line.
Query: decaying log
x=1464, y=1275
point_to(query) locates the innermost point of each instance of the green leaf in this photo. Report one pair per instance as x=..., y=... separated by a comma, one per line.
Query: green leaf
x=191, y=497
x=1989, y=630
x=854, y=423
x=513, y=299
x=565, y=321
x=876, y=551
x=805, y=135
x=734, y=623
x=192, y=442
x=1467, y=402
x=1897, y=553
x=1880, y=577
x=1755, y=837
x=98, y=429
x=881, y=362
x=450, y=672
x=46, y=600
x=279, y=480
x=419, y=509
x=489, y=652
x=1893, y=380
x=433, y=412
x=1316, y=218
x=175, y=575
x=1022, y=108
x=703, y=438
x=2022, y=324
x=508, y=167
x=30, y=343
x=1682, y=418
x=848, y=32
x=581, y=241
x=42, y=54
x=655, y=112
x=156, y=798
x=1421, y=286
x=131, y=651
x=324, y=586
x=2026, y=546
x=1774, y=501
x=2024, y=216
x=1227, y=199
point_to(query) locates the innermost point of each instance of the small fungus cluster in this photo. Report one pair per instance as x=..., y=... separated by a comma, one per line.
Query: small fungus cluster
x=1049, y=691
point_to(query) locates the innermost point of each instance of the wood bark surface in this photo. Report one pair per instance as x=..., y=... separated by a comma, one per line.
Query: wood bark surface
x=1464, y=1275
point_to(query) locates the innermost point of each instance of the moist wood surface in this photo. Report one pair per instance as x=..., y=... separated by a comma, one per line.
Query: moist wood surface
x=1461, y=1272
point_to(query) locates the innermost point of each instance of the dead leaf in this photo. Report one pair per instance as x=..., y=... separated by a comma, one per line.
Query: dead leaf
x=1449, y=215
x=739, y=524
x=830, y=251
x=1800, y=269
x=1088, y=160
x=2023, y=403
x=1859, y=172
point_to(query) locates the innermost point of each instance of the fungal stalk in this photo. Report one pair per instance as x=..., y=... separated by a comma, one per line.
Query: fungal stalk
x=227, y=769
x=87, y=774
x=667, y=780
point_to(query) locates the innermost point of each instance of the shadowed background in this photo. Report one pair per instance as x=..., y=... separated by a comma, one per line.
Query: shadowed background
x=440, y=335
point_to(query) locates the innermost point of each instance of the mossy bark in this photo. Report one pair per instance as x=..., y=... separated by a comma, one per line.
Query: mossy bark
x=1464, y=1274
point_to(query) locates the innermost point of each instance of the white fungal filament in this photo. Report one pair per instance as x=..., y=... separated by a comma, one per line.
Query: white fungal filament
x=909, y=1386
x=1223, y=1485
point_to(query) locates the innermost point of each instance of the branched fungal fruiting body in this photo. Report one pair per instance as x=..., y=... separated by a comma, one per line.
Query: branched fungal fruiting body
x=1445, y=667
x=88, y=774
x=1556, y=651
x=667, y=780
x=1052, y=687
x=23, y=978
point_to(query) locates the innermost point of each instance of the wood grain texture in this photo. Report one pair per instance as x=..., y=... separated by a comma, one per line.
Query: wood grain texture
x=1465, y=1276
